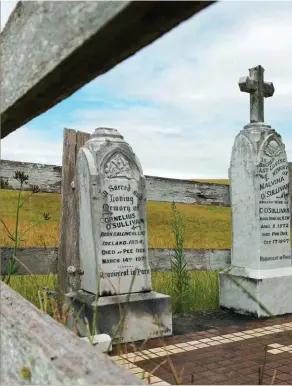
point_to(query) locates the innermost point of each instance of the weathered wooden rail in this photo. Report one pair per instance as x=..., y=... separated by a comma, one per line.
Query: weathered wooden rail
x=37, y=350
x=40, y=260
x=73, y=42
x=49, y=177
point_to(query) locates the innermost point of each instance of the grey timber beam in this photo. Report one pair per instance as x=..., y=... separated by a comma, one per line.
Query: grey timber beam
x=51, y=49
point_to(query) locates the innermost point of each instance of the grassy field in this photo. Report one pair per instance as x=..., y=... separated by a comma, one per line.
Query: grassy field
x=206, y=227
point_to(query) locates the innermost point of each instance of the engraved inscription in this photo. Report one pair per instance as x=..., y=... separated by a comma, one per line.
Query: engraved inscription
x=123, y=236
x=274, y=208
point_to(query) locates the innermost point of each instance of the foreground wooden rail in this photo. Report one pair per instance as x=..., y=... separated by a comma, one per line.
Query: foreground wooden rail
x=73, y=43
x=40, y=260
x=48, y=178
x=35, y=345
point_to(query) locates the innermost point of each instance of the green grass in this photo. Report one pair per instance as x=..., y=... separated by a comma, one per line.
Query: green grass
x=203, y=290
x=28, y=285
x=203, y=295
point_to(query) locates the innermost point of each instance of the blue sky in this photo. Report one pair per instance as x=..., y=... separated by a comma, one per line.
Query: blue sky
x=177, y=101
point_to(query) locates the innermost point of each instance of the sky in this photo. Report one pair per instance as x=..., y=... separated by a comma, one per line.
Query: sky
x=177, y=101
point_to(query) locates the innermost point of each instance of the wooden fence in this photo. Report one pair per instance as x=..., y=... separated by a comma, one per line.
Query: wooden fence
x=48, y=51
x=41, y=260
x=49, y=177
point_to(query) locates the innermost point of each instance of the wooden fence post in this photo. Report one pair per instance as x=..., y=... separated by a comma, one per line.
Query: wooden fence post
x=68, y=239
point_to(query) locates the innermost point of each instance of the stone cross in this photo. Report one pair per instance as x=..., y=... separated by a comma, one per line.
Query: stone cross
x=261, y=261
x=258, y=89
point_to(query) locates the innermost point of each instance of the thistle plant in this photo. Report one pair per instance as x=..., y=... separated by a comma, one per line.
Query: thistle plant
x=13, y=265
x=4, y=184
x=180, y=274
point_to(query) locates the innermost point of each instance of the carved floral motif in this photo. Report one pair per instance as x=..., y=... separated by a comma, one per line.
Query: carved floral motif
x=118, y=166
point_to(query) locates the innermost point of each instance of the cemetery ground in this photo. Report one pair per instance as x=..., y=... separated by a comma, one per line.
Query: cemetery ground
x=211, y=346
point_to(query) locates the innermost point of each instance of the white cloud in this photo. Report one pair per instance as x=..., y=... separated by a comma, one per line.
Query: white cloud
x=191, y=77
x=6, y=8
x=28, y=145
x=206, y=75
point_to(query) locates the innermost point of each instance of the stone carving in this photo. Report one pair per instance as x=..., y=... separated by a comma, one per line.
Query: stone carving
x=118, y=166
x=273, y=148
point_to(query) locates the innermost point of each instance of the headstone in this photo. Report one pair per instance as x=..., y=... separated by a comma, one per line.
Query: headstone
x=260, y=207
x=113, y=246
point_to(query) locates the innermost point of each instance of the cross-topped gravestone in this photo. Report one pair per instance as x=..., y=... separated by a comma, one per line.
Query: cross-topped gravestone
x=260, y=208
x=258, y=89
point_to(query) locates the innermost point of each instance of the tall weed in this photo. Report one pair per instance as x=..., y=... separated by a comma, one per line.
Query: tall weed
x=180, y=274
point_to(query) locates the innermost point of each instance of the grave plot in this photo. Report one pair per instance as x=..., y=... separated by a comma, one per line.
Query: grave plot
x=234, y=354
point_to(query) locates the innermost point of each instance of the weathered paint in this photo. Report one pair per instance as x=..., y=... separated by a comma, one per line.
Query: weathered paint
x=41, y=260
x=48, y=178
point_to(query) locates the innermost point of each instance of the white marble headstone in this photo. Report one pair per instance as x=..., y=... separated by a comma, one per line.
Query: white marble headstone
x=259, y=187
x=112, y=216
x=259, y=278
x=260, y=201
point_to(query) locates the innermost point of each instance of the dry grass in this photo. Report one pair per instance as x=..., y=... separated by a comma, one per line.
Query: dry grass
x=44, y=234
x=214, y=181
x=206, y=226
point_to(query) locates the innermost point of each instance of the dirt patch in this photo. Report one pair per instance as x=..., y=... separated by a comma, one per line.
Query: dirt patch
x=205, y=320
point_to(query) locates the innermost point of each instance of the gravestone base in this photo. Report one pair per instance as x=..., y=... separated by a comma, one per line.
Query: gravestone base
x=272, y=288
x=146, y=315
